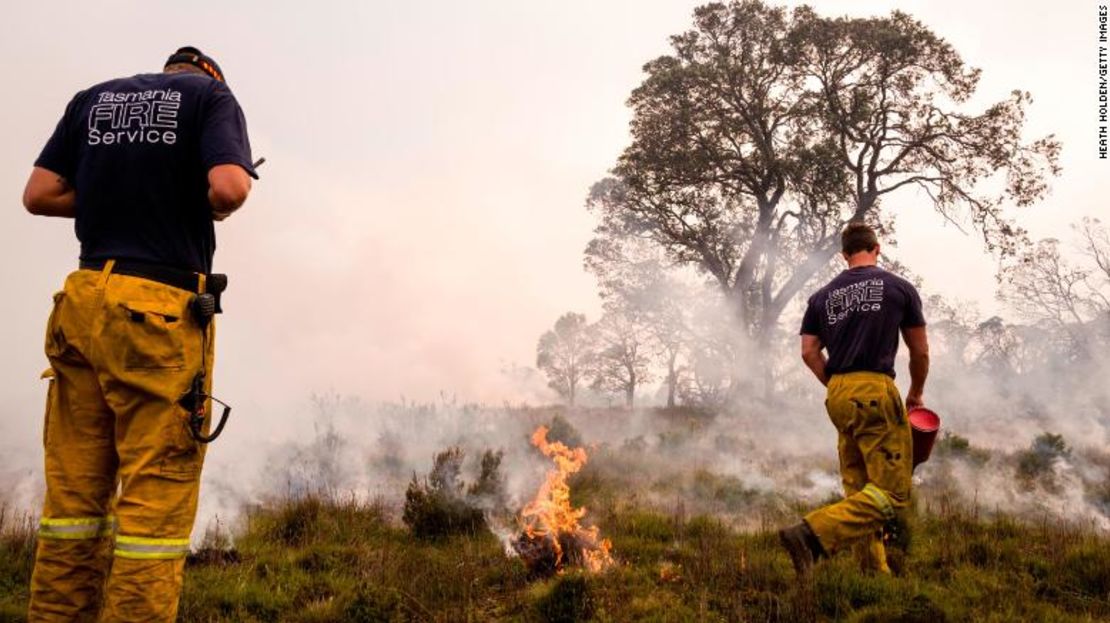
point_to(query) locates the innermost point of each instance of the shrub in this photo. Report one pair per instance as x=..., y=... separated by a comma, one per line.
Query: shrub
x=442, y=504
x=1035, y=464
x=490, y=486
x=954, y=446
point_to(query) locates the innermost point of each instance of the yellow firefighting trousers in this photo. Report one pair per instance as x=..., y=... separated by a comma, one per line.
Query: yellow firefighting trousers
x=122, y=470
x=876, y=465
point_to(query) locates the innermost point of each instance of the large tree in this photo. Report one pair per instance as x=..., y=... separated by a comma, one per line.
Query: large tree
x=763, y=132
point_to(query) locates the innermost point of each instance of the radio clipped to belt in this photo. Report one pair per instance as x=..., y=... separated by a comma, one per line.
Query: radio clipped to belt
x=207, y=304
x=203, y=307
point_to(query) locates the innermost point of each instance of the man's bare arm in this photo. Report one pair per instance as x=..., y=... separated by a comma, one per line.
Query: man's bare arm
x=228, y=187
x=918, y=343
x=814, y=357
x=49, y=194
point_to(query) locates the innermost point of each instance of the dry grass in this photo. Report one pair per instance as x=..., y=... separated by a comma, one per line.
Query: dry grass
x=315, y=559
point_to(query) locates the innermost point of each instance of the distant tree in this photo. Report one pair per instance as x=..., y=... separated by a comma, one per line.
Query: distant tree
x=1095, y=246
x=1095, y=241
x=623, y=361
x=711, y=378
x=566, y=353
x=1043, y=286
x=1072, y=297
x=634, y=275
x=762, y=133
x=994, y=347
x=668, y=323
x=951, y=327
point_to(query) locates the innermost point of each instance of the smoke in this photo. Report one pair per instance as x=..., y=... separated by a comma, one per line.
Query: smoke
x=751, y=457
x=754, y=463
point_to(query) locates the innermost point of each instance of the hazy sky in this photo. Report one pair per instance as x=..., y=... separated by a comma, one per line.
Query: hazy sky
x=420, y=217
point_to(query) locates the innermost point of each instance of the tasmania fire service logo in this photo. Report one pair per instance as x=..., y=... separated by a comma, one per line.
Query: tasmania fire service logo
x=134, y=117
x=863, y=296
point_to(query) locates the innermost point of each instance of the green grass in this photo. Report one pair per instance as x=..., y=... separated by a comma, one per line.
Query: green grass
x=16, y=558
x=317, y=560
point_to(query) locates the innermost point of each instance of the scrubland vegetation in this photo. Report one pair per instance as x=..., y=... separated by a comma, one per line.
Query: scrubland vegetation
x=689, y=544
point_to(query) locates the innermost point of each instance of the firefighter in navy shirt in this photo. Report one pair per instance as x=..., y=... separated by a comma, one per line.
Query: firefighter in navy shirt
x=143, y=165
x=857, y=318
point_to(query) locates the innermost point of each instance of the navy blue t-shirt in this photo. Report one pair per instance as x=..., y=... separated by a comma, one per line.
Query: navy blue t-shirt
x=858, y=317
x=137, y=152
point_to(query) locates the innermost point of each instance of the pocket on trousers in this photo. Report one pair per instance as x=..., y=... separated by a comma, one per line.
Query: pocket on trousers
x=55, y=339
x=182, y=455
x=152, y=336
x=869, y=413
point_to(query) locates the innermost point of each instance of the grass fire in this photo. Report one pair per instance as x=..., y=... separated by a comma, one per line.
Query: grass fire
x=552, y=537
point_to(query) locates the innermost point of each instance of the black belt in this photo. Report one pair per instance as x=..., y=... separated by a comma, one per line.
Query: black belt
x=168, y=275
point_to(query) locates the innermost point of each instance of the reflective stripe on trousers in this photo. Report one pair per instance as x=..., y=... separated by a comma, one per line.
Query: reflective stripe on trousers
x=76, y=527
x=150, y=549
x=881, y=499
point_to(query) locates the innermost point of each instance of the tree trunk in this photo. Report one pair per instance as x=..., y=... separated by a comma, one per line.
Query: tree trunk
x=737, y=379
x=766, y=356
x=672, y=379
x=630, y=389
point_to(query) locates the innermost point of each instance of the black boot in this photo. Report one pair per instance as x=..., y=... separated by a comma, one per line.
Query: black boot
x=803, y=546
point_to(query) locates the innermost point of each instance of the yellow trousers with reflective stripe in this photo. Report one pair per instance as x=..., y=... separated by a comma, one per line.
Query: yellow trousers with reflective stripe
x=876, y=465
x=122, y=470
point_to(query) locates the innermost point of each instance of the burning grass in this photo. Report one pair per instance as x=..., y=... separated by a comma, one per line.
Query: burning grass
x=553, y=537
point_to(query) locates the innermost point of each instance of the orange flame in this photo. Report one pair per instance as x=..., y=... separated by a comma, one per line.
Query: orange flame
x=550, y=514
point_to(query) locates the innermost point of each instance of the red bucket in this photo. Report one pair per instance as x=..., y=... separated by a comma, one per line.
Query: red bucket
x=924, y=423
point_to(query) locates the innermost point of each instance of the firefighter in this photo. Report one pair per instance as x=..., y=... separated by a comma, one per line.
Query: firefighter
x=857, y=318
x=143, y=165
